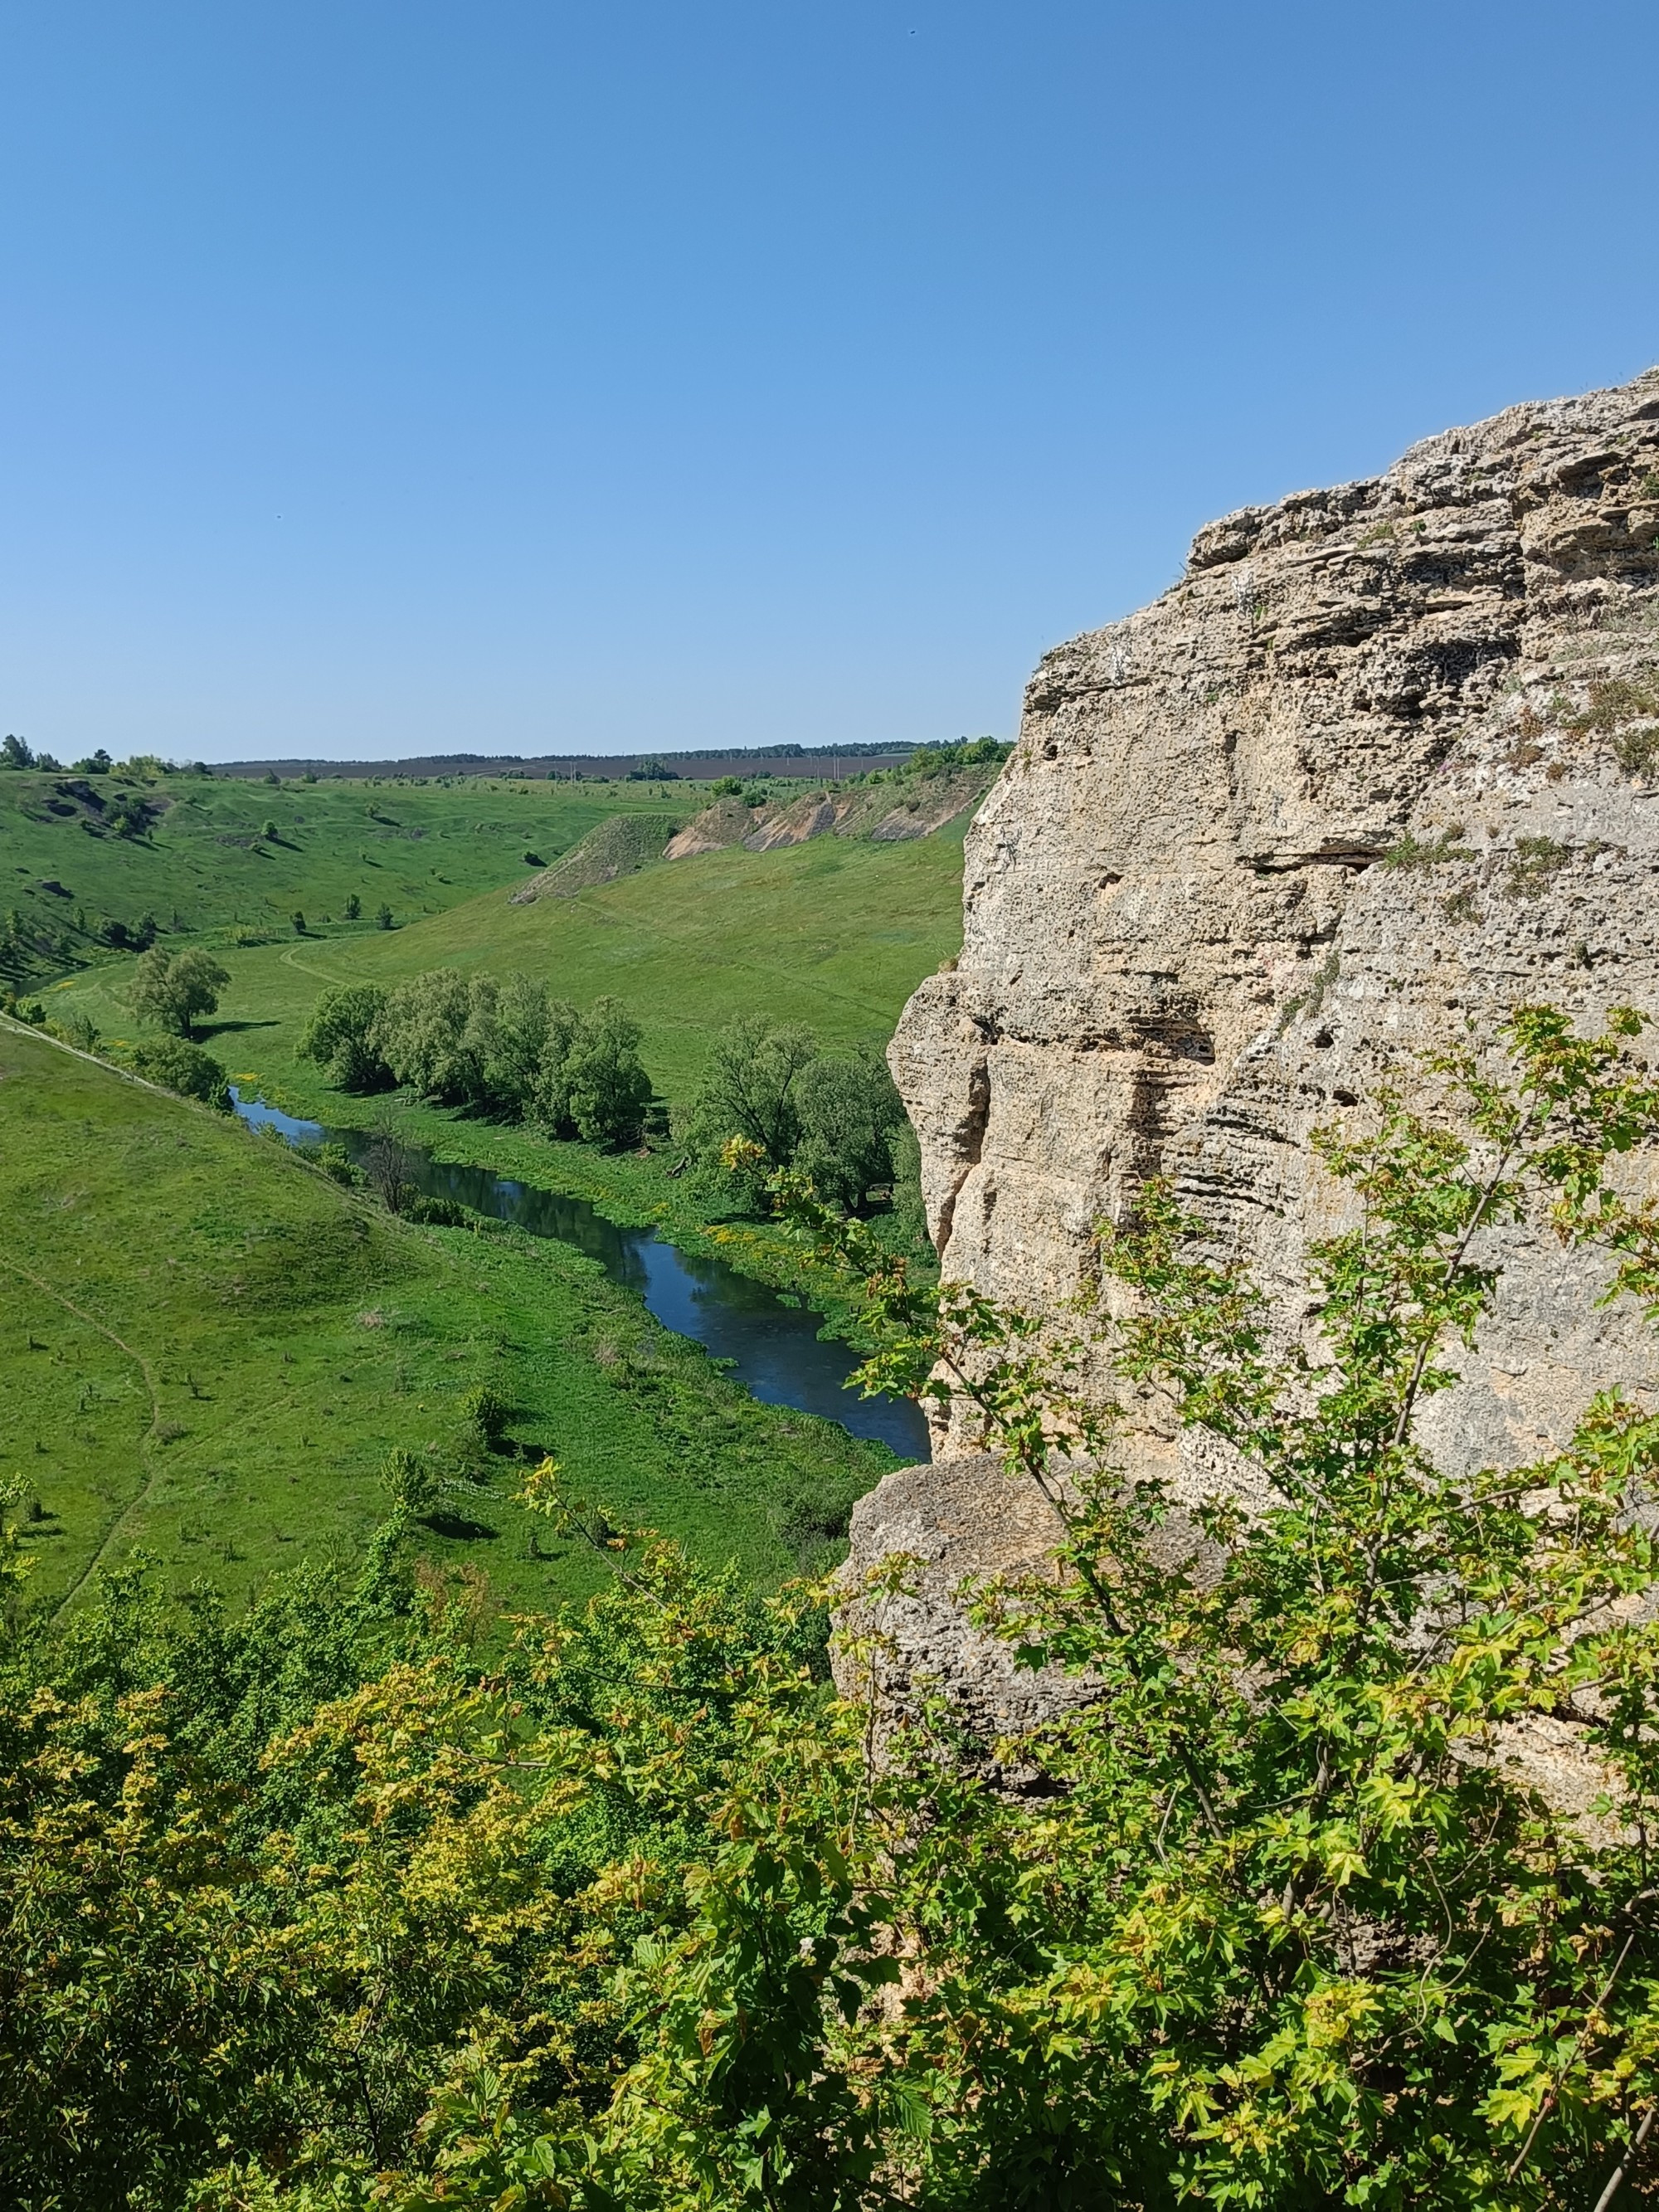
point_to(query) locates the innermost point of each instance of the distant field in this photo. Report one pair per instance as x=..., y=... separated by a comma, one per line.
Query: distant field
x=834, y=933
x=208, y=1350
x=206, y=864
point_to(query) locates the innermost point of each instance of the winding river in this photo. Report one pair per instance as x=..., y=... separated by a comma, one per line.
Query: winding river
x=774, y=1349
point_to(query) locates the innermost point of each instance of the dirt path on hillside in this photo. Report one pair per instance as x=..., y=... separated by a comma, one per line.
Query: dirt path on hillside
x=145, y=1441
x=291, y=959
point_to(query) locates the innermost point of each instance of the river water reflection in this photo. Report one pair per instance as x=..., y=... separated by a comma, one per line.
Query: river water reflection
x=774, y=1349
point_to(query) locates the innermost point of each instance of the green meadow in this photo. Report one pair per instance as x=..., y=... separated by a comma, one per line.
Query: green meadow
x=835, y=933
x=222, y=852
x=210, y=1349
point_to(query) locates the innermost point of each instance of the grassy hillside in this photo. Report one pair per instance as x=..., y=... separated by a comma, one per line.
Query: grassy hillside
x=208, y=1349
x=201, y=859
x=831, y=933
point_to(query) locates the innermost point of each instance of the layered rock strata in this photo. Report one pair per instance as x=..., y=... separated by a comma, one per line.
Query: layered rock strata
x=1383, y=764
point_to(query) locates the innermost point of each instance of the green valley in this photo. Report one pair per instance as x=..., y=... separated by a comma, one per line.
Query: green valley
x=199, y=853
x=211, y=1350
x=216, y=1347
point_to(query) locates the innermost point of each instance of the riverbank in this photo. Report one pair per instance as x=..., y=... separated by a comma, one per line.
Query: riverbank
x=211, y=1350
x=772, y=1346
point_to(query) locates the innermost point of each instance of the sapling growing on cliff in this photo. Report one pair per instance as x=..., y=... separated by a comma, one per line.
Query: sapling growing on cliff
x=1299, y=1923
x=1287, y=1914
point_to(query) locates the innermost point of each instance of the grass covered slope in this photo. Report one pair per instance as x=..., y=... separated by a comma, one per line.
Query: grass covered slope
x=833, y=933
x=208, y=1350
x=200, y=858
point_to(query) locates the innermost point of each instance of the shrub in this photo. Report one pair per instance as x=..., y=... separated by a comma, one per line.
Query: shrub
x=482, y=1417
x=334, y=1160
x=75, y=1028
x=127, y=816
x=177, y=1065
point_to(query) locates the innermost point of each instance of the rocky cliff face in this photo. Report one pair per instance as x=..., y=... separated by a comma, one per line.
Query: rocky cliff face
x=1384, y=763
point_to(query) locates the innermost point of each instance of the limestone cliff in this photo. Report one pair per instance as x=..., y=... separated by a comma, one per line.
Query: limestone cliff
x=1383, y=764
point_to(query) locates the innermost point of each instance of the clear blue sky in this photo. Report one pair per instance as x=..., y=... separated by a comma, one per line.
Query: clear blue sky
x=379, y=375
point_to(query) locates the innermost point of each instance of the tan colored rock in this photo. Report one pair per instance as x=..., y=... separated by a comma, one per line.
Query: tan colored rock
x=966, y=1517
x=882, y=813
x=1383, y=765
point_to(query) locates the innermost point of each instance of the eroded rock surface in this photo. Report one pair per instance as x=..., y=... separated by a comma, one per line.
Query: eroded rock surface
x=885, y=812
x=1383, y=765
x=964, y=1518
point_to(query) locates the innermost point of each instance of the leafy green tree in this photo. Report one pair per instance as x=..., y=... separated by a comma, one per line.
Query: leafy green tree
x=751, y=1090
x=427, y=1035
x=14, y=753
x=353, y=906
x=178, y=1066
x=509, y=1029
x=606, y=1086
x=547, y=1100
x=383, y=916
x=850, y=1113
x=339, y=1036
x=174, y=990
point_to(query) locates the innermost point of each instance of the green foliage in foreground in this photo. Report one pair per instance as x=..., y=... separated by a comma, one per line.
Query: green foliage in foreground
x=629, y=1919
